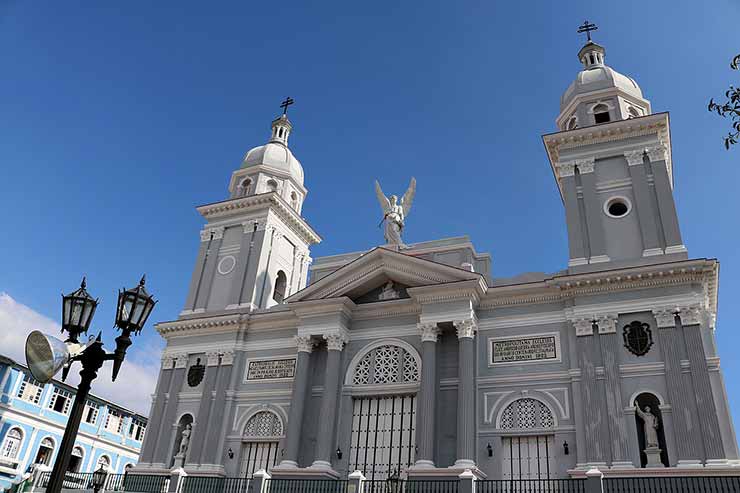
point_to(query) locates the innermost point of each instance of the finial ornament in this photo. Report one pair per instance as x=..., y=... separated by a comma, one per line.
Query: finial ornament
x=395, y=212
x=284, y=105
x=587, y=27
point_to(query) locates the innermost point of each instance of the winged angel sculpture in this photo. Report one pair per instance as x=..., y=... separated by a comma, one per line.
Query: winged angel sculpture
x=395, y=212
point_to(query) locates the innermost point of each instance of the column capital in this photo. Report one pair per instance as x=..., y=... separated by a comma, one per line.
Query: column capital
x=167, y=362
x=566, y=168
x=212, y=358
x=583, y=326
x=181, y=360
x=465, y=328
x=335, y=341
x=428, y=331
x=227, y=358
x=665, y=318
x=585, y=165
x=634, y=158
x=692, y=315
x=216, y=233
x=304, y=344
x=607, y=323
x=657, y=152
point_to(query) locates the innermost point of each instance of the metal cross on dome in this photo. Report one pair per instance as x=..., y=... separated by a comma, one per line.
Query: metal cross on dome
x=587, y=27
x=284, y=105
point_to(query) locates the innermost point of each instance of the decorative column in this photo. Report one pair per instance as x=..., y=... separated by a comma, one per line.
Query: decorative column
x=163, y=443
x=658, y=156
x=614, y=408
x=297, y=401
x=325, y=441
x=160, y=399
x=427, y=395
x=691, y=318
x=203, y=291
x=578, y=253
x=590, y=399
x=466, y=392
x=593, y=211
x=213, y=452
x=686, y=436
x=645, y=202
x=207, y=396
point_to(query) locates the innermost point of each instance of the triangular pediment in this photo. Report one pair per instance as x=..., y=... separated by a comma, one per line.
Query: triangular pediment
x=367, y=278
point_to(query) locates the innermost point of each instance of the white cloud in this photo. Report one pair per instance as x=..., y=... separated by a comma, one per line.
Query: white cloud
x=136, y=380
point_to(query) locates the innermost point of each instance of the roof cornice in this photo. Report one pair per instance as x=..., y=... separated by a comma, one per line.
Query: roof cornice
x=272, y=200
x=657, y=124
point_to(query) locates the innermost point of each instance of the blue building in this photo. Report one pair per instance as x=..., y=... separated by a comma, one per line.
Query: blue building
x=32, y=420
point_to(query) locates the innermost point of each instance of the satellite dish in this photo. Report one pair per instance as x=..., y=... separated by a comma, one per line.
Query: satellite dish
x=45, y=355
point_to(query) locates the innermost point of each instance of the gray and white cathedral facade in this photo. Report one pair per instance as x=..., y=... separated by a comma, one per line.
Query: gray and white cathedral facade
x=417, y=361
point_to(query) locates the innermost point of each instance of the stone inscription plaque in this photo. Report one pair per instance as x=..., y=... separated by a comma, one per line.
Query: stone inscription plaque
x=524, y=349
x=269, y=369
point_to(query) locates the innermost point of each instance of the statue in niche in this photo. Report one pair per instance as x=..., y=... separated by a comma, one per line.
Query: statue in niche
x=395, y=212
x=389, y=292
x=650, y=426
x=185, y=440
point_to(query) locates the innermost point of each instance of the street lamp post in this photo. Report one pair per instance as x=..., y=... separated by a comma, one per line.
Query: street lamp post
x=133, y=309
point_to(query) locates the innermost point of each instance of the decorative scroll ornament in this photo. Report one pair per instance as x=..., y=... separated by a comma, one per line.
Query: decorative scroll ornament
x=304, y=344
x=583, y=326
x=665, y=318
x=212, y=358
x=607, y=324
x=168, y=362
x=637, y=338
x=465, y=328
x=657, y=153
x=567, y=168
x=335, y=341
x=429, y=332
x=195, y=373
x=227, y=358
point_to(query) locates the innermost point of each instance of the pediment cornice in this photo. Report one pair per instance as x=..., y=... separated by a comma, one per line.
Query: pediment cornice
x=410, y=271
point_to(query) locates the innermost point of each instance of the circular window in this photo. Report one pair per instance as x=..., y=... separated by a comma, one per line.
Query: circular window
x=226, y=264
x=617, y=207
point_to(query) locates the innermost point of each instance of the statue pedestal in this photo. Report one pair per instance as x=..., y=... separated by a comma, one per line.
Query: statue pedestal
x=179, y=461
x=653, y=457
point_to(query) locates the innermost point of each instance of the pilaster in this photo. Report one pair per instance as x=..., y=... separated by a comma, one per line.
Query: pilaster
x=466, y=398
x=592, y=206
x=646, y=207
x=335, y=342
x=425, y=429
x=304, y=346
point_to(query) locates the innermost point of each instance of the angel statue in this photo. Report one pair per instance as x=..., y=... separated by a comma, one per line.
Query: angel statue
x=395, y=212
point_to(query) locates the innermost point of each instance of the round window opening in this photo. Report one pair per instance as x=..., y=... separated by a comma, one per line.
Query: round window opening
x=617, y=207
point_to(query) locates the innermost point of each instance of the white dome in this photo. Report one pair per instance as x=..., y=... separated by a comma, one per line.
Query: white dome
x=597, y=78
x=275, y=155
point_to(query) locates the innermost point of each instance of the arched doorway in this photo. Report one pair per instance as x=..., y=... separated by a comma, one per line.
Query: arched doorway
x=260, y=440
x=529, y=449
x=383, y=434
x=650, y=403
x=75, y=462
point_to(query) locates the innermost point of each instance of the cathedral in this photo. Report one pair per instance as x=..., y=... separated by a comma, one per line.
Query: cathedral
x=413, y=360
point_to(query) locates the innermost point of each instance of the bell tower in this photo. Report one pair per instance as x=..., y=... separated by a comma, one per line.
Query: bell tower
x=254, y=249
x=612, y=161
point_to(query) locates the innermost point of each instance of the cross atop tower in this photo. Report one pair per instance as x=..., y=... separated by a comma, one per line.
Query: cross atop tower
x=587, y=27
x=284, y=105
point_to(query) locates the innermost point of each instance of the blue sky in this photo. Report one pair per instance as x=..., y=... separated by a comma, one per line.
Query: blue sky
x=116, y=119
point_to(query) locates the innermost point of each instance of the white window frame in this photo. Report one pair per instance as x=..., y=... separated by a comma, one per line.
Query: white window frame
x=27, y=382
x=69, y=396
x=11, y=447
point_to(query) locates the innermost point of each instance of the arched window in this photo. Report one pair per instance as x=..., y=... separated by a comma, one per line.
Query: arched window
x=244, y=187
x=75, y=462
x=272, y=185
x=601, y=113
x=103, y=462
x=46, y=449
x=633, y=113
x=264, y=424
x=280, y=285
x=386, y=364
x=572, y=123
x=526, y=414
x=12, y=444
